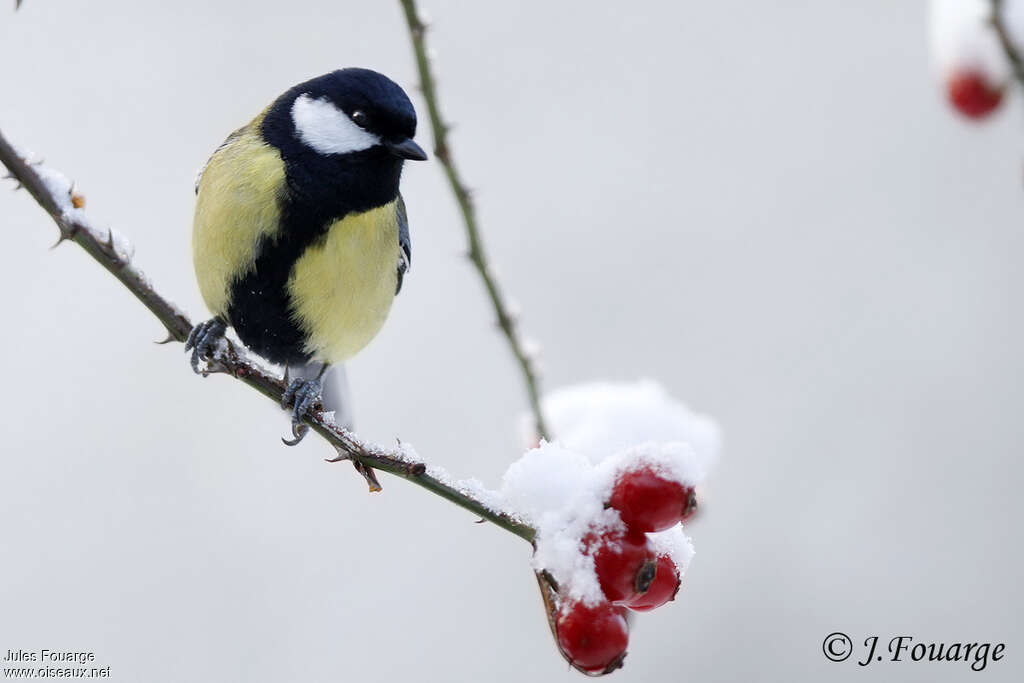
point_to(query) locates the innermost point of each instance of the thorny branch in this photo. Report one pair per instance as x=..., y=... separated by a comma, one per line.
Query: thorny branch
x=1013, y=55
x=442, y=149
x=506, y=319
x=229, y=360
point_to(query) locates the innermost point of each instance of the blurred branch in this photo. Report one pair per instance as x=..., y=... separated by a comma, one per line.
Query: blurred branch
x=228, y=360
x=998, y=20
x=507, y=320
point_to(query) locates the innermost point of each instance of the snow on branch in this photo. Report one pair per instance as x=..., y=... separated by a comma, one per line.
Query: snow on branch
x=614, y=440
x=604, y=508
x=56, y=195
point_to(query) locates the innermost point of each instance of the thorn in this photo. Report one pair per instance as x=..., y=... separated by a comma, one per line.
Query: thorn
x=342, y=455
x=170, y=337
x=233, y=360
x=109, y=243
x=369, y=476
x=480, y=521
x=17, y=186
x=63, y=237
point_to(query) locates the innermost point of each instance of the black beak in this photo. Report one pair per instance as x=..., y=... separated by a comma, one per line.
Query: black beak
x=407, y=149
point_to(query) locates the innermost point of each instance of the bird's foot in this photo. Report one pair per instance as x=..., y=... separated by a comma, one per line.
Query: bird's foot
x=203, y=340
x=304, y=395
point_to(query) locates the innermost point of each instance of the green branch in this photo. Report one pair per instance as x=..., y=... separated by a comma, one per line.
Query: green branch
x=1003, y=34
x=228, y=360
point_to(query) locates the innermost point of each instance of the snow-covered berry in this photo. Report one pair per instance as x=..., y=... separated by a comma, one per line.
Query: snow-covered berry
x=648, y=501
x=625, y=564
x=594, y=638
x=663, y=588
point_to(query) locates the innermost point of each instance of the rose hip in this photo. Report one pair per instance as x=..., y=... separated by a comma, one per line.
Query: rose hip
x=593, y=638
x=663, y=588
x=973, y=94
x=648, y=501
x=625, y=564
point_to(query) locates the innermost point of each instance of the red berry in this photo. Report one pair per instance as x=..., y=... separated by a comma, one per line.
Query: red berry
x=648, y=501
x=625, y=564
x=663, y=589
x=972, y=94
x=593, y=638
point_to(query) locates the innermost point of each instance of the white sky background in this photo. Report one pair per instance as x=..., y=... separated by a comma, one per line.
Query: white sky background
x=771, y=211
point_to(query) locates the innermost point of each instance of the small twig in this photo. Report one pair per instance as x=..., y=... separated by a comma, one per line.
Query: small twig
x=1002, y=32
x=506, y=319
x=228, y=361
x=442, y=148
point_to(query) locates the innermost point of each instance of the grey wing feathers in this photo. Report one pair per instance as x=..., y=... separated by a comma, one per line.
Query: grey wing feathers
x=405, y=244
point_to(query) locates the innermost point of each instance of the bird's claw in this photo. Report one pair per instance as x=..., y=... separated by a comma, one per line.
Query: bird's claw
x=203, y=340
x=299, y=432
x=304, y=396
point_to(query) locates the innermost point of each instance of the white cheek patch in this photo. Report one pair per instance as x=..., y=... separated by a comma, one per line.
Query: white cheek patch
x=327, y=129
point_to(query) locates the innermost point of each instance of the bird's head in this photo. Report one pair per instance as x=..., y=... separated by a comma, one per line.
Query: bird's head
x=345, y=112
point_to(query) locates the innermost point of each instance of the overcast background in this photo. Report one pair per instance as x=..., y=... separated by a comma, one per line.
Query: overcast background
x=769, y=209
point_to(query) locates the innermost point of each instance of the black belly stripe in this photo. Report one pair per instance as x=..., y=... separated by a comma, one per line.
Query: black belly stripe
x=320, y=191
x=260, y=310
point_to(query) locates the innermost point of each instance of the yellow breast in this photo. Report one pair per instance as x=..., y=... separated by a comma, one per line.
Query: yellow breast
x=341, y=288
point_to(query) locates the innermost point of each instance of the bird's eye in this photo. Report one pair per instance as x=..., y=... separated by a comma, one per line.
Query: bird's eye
x=360, y=118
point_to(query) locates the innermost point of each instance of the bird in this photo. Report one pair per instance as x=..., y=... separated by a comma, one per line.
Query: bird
x=300, y=240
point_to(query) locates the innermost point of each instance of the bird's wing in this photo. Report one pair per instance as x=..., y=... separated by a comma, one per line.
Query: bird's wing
x=404, y=242
x=227, y=141
x=237, y=208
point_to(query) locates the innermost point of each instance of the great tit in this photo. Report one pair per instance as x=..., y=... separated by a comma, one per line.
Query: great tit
x=301, y=239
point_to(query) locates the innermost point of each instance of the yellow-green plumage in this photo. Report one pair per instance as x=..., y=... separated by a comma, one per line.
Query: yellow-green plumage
x=340, y=288
x=238, y=204
x=301, y=237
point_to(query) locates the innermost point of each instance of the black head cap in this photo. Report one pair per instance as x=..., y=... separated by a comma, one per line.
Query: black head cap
x=385, y=105
x=370, y=100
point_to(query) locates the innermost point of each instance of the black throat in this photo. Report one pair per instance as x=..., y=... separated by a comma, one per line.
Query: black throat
x=320, y=189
